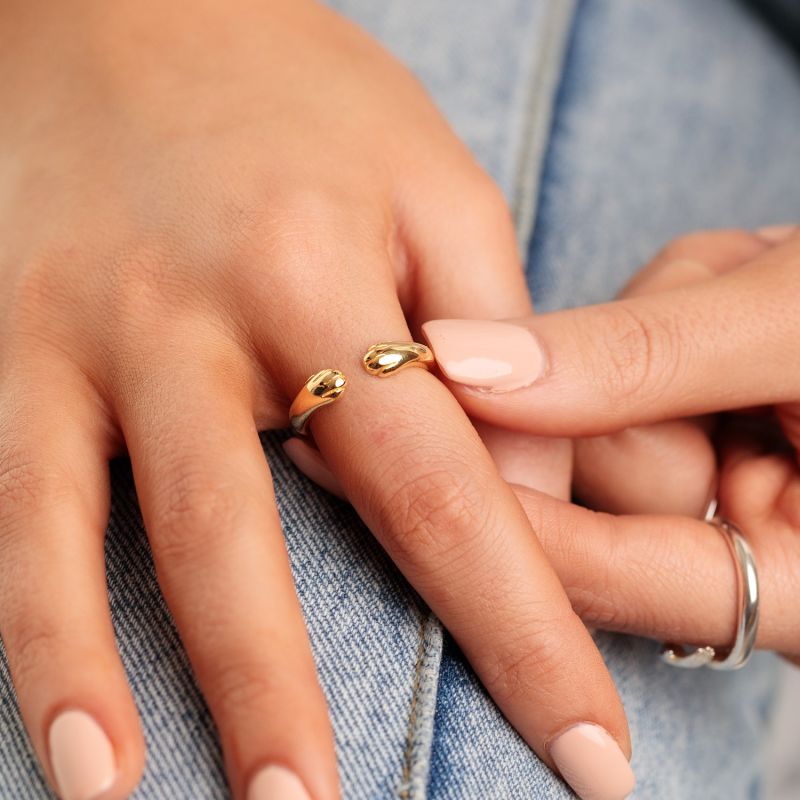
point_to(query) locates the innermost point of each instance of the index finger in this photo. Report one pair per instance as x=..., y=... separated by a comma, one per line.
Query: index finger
x=717, y=345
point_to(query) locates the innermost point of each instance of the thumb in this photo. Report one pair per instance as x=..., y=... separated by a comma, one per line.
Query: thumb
x=721, y=344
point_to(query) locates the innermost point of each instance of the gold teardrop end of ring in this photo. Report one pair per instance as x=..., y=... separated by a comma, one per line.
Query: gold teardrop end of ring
x=321, y=389
x=386, y=358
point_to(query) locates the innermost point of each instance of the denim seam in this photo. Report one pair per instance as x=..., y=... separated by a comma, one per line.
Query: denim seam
x=419, y=735
x=540, y=95
x=405, y=785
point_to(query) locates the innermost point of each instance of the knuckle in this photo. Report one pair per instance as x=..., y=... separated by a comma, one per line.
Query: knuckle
x=304, y=236
x=34, y=311
x=143, y=278
x=29, y=644
x=244, y=686
x=27, y=487
x=438, y=513
x=193, y=511
x=641, y=354
x=532, y=661
x=491, y=204
x=487, y=211
x=21, y=485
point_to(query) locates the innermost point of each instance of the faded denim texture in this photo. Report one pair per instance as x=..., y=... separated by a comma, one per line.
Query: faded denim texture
x=611, y=127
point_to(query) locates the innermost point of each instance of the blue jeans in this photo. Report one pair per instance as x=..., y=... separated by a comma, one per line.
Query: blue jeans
x=611, y=127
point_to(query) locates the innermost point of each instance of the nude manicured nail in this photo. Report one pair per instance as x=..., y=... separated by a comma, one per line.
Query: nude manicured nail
x=498, y=356
x=774, y=234
x=310, y=462
x=276, y=783
x=81, y=755
x=592, y=763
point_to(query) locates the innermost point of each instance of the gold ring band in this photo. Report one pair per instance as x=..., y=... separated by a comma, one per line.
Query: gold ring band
x=320, y=389
x=386, y=358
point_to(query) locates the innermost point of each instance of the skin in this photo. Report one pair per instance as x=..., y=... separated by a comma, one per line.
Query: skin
x=195, y=216
x=709, y=326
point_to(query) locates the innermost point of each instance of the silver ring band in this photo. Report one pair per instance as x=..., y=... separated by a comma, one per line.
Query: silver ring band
x=747, y=603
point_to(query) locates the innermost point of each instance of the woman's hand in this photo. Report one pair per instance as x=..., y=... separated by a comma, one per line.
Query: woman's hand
x=201, y=205
x=711, y=325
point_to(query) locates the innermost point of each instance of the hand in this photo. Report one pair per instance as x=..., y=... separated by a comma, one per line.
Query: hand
x=200, y=207
x=709, y=326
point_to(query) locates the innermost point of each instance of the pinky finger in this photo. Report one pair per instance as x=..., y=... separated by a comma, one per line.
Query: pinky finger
x=54, y=614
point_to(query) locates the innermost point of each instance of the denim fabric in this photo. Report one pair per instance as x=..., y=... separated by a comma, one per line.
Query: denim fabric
x=670, y=116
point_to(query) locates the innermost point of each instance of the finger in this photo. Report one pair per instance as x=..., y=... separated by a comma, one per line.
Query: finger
x=694, y=258
x=461, y=239
x=473, y=270
x=666, y=577
x=669, y=467
x=717, y=345
x=208, y=505
x=54, y=614
x=419, y=476
x=310, y=462
x=761, y=487
x=662, y=468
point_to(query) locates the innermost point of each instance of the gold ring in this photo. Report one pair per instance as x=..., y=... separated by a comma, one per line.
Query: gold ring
x=386, y=358
x=320, y=389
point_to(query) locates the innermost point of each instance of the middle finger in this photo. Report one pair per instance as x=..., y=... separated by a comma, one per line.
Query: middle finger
x=418, y=474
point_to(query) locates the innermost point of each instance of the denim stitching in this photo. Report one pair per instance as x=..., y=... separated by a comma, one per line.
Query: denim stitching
x=405, y=785
x=542, y=85
x=419, y=736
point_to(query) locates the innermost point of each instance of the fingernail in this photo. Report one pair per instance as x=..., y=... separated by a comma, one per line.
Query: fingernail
x=81, y=755
x=491, y=355
x=591, y=762
x=775, y=234
x=276, y=783
x=311, y=463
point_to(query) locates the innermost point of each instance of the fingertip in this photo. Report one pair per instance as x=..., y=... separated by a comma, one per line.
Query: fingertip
x=592, y=762
x=94, y=748
x=81, y=755
x=488, y=355
x=274, y=782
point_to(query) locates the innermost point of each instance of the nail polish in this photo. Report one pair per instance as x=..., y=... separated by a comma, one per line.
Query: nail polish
x=81, y=756
x=592, y=763
x=276, y=783
x=497, y=356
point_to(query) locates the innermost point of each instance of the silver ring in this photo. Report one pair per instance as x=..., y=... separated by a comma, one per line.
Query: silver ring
x=747, y=597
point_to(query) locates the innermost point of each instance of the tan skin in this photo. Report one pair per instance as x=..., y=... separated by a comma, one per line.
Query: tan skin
x=200, y=206
x=174, y=196
x=642, y=562
x=709, y=326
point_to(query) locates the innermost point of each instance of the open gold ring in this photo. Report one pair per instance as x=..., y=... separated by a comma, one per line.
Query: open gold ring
x=386, y=358
x=320, y=389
